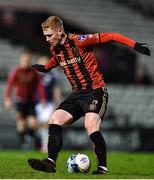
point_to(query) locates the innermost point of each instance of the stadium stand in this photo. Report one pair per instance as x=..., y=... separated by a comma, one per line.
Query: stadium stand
x=130, y=107
x=137, y=102
x=9, y=54
x=8, y=137
x=142, y=6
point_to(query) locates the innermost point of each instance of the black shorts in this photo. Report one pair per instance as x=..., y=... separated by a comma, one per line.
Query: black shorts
x=26, y=109
x=83, y=101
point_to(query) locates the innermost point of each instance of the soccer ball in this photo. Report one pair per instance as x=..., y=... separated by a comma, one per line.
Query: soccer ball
x=70, y=163
x=78, y=163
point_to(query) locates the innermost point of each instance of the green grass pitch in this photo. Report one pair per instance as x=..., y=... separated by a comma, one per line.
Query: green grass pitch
x=121, y=165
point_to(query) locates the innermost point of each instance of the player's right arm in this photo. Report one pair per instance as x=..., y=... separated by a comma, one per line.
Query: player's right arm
x=45, y=68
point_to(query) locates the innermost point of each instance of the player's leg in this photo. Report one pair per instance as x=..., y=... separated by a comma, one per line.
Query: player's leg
x=92, y=125
x=32, y=125
x=21, y=124
x=96, y=108
x=55, y=140
x=67, y=112
x=43, y=114
x=21, y=128
x=58, y=119
x=32, y=132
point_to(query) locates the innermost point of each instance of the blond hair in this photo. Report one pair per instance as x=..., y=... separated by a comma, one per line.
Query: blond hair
x=52, y=22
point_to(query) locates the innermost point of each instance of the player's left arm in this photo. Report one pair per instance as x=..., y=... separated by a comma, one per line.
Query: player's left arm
x=98, y=38
x=140, y=47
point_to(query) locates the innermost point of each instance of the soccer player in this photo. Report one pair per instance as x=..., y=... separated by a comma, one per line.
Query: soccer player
x=89, y=97
x=26, y=82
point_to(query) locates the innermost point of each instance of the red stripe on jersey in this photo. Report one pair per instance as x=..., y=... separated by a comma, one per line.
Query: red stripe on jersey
x=67, y=72
x=76, y=65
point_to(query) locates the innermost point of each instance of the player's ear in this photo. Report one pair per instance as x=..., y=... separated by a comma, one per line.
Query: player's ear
x=61, y=33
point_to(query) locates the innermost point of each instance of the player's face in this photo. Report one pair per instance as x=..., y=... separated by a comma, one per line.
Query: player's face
x=52, y=37
x=25, y=60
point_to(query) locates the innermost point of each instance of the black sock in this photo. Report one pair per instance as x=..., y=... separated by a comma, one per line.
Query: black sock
x=21, y=137
x=99, y=147
x=30, y=132
x=55, y=141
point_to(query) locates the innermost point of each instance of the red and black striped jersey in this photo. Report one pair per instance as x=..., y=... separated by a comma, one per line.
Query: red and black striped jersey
x=78, y=61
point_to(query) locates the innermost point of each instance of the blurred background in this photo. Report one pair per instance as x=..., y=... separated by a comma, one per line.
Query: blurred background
x=129, y=121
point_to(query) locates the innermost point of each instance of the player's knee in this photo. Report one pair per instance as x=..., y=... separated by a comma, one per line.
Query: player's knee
x=60, y=117
x=90, y=128
x=56, y=120
x=20, y=126
x=32, y=122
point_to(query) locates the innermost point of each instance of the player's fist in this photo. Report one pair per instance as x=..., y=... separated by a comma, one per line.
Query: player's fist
x=142, y=48
x=39, y=67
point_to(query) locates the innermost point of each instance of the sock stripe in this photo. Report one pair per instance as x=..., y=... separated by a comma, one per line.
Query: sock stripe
x=51, y=160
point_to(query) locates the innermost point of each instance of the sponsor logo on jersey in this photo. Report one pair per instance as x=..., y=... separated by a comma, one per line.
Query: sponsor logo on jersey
x=71, y=61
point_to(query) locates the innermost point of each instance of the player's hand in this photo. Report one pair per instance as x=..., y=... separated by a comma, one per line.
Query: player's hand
x=7, y=103
x=142, y=48
x=38, y=67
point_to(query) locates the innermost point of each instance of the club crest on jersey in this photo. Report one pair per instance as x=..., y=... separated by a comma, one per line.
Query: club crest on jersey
x=82, y=37
x=93, y=105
